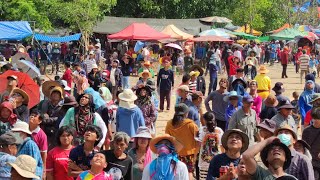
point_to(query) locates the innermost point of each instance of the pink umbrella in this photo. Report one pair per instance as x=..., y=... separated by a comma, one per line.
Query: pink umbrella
x=173, y=45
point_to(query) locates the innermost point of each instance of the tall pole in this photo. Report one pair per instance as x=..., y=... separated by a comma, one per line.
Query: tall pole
x=250, y=24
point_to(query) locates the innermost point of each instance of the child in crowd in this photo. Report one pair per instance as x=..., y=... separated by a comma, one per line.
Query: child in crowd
x=313, y=63
x=210, y=139
x=294, y=103
x=38, y=135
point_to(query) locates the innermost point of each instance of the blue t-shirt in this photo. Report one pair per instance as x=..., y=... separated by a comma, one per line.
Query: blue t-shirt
x=194, y=114
x=78, y=156
x=273, y=54
x=218, y=161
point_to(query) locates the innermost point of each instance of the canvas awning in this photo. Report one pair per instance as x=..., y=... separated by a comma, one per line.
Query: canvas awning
x=41, y=37
x=247, y=29
x=211, y=39
x=176, y=33
x=138, y=31
x=14, y=30
x=287, y=34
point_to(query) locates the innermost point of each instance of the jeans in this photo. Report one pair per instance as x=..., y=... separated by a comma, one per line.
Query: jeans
x=213, y=83
x=165, y=94
x=125, y=82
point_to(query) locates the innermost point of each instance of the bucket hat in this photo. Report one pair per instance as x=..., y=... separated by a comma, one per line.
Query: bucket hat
x=69, y=101
x=232, y=94
x=21, y=126
x=245, y=139
x=278, y=87
x=263, y=69
x=26, y=166
x=127, y=98
x=268, y=124
x=177, y=145
x=143, y=132
x=146, y=71
x=181, y=109
x=47, y=86
x=286, y=127
x=285, y=104
x=271, y=101
x=23, y=94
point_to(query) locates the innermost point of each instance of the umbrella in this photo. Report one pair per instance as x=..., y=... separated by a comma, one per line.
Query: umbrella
x=211, y=39
x=214, y=32
x=18, y=56
x=29, y=68
x=173, y=45
x=235, y=45
x=139, y=45
x=216, y=19
x=25, y=83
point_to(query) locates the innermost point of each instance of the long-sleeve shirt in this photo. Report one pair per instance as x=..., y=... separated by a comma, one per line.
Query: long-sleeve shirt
x=165, y=79
x=284, y=57
x=300, y=166
x=218, y=104
x=68, y=76
x=125, y=68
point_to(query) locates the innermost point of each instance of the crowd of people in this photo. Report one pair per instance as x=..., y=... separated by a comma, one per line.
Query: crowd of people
x=93, y=122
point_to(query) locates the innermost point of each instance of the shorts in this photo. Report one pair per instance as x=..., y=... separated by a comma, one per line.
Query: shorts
x=189, y=160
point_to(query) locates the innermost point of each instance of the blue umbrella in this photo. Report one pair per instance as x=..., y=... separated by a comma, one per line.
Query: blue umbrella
x=139, y=45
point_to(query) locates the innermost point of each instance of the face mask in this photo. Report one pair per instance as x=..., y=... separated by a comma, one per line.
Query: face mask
x=285, y=139
x=162, y=149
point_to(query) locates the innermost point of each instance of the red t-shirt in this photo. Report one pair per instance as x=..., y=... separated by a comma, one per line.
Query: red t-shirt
x=40, y=138
x=307, y=118
x=67, y=77
x=57, y=163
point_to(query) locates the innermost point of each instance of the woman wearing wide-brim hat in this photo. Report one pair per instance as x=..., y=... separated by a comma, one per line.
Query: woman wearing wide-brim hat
x=167, y=165
x=269, y=109
x=20, y=100
x=48, y=85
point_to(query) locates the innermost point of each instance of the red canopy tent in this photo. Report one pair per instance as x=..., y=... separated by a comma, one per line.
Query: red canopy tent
x=211, y=39
x=139, y=31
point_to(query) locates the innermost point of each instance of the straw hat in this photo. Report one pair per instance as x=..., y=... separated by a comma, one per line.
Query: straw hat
x=146, y=71
x=48, y=85
x=271, y=101
x=143, y=132
x=196, y=73
x=23, y=94
x=263, y=69
x=177, y=145
x=26, y=166
x=127, y=98
x=57, y=89
x=286, y=127
x=21, y=126
x=147, y=63
x=245, y=139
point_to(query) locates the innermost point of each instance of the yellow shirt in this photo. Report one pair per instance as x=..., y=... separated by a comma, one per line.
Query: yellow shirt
x=263, y=81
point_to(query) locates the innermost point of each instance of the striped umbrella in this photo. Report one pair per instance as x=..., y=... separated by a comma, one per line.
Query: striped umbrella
x=214, y=32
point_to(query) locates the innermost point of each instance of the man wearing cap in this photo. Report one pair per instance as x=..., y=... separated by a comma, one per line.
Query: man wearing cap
x=264, y=82
x=201, y=82
x=11, y=84
x=284, y=115
x=304, y=64
x=218, y=105
x=165, y=82
x=126, y=67
x=8, y=151
x=312, y=135
x=183, y=95
x=300, y=166
x=146, y=65
x=89, y=62
x=275, y=155
x=223, y=165
x=28, y=146
x=245, y=119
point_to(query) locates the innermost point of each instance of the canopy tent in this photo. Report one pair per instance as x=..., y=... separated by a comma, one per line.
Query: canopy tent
x=138, y=31
x=304, y=28
x=215, y=19
x=263, y=39
x=14, y=30
x=247, y=29
x=287, y=34
x=211, y=39
x=285, y=26
x=244, y=35
x=308, y=35
x=214, y=32
x=227, y=31
x=176, y=33
x=41, y=37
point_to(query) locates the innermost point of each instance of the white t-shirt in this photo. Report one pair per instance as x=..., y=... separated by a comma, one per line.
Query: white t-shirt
x=181, y=172
x=89, y=63
x=112, y=76
x=258, y=51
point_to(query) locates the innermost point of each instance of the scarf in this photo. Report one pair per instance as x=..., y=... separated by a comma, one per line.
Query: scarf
x=12, y=119
x=161, y=169
x=143, y=100
x=83, y=118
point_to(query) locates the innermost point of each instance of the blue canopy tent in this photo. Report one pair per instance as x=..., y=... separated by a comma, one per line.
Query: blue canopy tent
x=41, y=37
x=14, y=30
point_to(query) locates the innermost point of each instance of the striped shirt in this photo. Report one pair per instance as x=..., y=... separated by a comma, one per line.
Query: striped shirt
x=193, y=86
x=300, y=166
x=304, y=62
x=89, y=63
